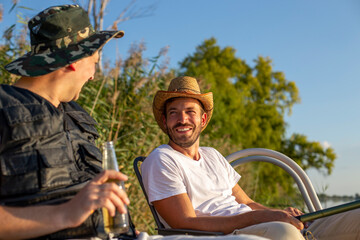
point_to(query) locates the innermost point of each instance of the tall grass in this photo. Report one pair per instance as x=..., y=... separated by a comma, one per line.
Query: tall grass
x=121, y=102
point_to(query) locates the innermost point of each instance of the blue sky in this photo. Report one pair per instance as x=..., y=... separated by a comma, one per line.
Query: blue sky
x=315, y=43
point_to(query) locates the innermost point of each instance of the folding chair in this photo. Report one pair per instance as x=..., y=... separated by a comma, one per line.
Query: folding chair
x=160, y=227
x=235, y=159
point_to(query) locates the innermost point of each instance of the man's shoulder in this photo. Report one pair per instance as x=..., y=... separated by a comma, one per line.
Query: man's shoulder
x=7, y=91
x=209, y=150
x=161, y=150
x=211, y=154
x=15, y=96
x=5, y=86
x=73, y=106
x=163, y=153
x=2, y=94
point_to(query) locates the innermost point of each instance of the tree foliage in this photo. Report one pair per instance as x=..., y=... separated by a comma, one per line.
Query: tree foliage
x=250, y=103
x=309, y=154
x=13, y=45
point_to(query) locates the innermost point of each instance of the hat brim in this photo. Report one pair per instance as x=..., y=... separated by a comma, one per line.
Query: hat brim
x=48, y=61
x=162, y=96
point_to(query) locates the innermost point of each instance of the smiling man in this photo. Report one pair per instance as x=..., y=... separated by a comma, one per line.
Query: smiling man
x=194, y=187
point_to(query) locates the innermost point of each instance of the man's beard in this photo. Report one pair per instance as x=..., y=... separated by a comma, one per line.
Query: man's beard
x=184, y=141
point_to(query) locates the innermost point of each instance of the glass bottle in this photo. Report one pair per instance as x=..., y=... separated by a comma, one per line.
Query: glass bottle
x=120, y=222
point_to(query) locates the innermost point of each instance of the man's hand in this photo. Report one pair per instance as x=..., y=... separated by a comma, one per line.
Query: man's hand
x=34, y=221
x=296, y=212
x=281, y=215
x=98, y=193
x=293, y=211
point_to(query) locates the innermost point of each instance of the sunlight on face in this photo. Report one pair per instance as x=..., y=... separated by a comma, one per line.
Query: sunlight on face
x=184, y=121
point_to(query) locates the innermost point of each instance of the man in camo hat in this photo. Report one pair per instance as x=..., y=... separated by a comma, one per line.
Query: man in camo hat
x=51, y=181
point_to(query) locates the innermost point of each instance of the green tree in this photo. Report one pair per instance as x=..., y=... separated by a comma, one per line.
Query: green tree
x=250, y=103
x=12, y=45
x=216, y=68
x=309, y=154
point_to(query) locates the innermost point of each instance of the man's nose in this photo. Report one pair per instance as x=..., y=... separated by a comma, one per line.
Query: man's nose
x=182, y=117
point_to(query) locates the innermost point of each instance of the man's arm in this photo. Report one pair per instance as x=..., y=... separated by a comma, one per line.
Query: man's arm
x=29, y=222
x=178, y=212
x=242, y=197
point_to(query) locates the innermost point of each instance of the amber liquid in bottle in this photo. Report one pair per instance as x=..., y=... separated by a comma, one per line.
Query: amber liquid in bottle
x=120, y=222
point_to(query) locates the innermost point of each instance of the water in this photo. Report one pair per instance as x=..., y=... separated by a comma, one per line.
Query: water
x=334, y=202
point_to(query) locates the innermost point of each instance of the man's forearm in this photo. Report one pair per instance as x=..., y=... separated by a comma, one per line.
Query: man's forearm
x=257, y=206
x=225, y=224
x=29, y=222
x=228, y=224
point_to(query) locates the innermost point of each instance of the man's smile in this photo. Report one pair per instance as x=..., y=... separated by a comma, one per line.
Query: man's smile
x=183, y=129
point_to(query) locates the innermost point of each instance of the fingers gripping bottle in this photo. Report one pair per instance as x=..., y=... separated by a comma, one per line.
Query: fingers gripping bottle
x=120, y=222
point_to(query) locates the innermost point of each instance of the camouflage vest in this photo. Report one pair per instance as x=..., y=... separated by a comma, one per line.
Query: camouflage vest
x=46, y=153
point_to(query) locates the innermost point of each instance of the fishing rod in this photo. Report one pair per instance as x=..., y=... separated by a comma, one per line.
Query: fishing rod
x=329, y=211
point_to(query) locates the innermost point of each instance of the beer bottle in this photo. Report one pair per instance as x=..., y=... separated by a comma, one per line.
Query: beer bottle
x=120, y=222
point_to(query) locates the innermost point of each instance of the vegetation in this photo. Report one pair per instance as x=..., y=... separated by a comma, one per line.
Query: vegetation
x=249, y=111
x=250, y=106
x=121, y=103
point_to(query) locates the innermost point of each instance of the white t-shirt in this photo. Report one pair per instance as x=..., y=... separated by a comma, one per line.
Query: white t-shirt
x=208, y=181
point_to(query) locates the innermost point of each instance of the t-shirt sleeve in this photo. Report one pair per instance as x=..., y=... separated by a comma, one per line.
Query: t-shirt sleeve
x=161, y=177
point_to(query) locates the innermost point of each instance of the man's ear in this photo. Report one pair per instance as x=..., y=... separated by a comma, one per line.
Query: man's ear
x=72, y=67
x=203, y=119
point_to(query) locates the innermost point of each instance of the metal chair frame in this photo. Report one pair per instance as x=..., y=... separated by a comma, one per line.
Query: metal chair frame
x=290, y=166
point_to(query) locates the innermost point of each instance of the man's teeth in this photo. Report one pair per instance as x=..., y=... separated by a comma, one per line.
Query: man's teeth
x=183, y=129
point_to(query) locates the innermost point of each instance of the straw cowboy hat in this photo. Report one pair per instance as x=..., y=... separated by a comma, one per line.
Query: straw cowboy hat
x=59, y=35
x=182, y=87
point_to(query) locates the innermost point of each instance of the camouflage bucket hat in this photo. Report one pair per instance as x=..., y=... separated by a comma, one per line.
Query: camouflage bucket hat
x=59, y=36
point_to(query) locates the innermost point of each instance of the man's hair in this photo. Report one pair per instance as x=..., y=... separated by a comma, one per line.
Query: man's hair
x=170, y=100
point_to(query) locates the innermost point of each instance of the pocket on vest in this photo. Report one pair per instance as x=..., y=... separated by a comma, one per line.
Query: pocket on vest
x=57, y=168
x=85, y=122
x=19, y=173
x=92, y=156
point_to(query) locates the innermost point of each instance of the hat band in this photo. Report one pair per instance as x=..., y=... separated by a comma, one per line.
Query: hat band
x=63, y=42
x=185, y=89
